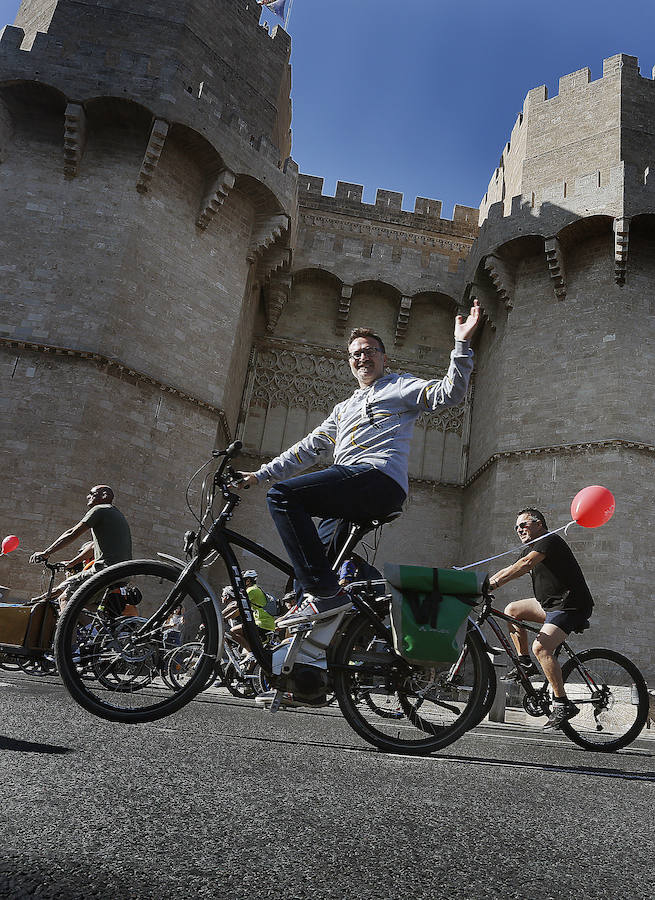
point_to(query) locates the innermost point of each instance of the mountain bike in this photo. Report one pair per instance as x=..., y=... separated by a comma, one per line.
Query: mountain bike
x=606, y=686
x=373, y=684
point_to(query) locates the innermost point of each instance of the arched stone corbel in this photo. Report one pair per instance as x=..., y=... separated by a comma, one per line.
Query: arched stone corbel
x=215, y=197
x=478, y=293
x=152, y=155
x=555, y=262
x=74, y=138
x=266, y=231
x=402, y=320
x=502, y=278
x=343, y=310
x=276, y=294
x=621, y=238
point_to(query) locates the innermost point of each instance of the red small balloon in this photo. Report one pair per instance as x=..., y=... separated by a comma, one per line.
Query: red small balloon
x=593, y=506
x=10, y=543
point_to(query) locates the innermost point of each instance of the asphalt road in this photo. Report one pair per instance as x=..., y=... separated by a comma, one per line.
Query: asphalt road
x=226, y=800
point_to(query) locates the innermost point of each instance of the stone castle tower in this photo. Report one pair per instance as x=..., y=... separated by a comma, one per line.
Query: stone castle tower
x=171, y=281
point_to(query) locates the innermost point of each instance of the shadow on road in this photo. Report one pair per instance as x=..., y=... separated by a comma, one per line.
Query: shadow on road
x=7, y=743
x=598, y=771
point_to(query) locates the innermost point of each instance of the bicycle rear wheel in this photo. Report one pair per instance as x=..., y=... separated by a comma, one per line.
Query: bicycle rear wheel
x=612, y=696
x=436, y=710
x=112, y=665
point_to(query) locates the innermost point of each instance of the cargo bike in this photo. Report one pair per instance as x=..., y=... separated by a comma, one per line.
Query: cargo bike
x=27, y=631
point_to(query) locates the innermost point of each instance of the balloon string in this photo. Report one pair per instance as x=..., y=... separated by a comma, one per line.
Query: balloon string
x=564, y=528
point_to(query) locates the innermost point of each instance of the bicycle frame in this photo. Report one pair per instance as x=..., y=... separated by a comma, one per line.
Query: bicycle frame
x=490, y=615
x=220, y=539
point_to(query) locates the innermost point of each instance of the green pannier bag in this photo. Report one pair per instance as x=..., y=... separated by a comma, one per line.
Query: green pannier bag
x=429, y=609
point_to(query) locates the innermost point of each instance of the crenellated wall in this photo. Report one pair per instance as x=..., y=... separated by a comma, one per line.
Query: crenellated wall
x=166, y=49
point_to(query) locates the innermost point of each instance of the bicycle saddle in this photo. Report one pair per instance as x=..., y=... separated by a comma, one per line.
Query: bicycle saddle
x=375, y=523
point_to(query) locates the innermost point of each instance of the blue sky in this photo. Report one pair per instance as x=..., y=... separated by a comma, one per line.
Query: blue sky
x=420, y=96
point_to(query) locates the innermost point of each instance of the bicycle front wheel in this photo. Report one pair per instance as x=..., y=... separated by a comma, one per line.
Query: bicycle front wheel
x=373, y=686
x=112, y=665
x=612, y=697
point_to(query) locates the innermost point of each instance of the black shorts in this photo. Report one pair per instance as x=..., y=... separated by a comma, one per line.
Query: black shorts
x=567, y=619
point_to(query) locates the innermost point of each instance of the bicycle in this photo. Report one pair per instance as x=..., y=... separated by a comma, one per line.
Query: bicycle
x=31, y=652
x=608, y=688
x=358, y=661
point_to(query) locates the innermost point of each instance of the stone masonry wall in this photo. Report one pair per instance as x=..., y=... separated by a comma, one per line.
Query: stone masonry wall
x=133, y=277
x=72, y=423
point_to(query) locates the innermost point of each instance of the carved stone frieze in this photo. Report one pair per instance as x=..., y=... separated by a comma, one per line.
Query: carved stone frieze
x=621, y=239
x=383, y=232
x=449, y=419
x=152, y=155
x=74, y=138
x=555, y=261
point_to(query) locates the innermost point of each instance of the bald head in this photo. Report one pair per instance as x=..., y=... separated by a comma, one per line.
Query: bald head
x=101, y=493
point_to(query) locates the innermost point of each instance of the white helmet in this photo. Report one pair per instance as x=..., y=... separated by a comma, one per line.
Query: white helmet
x=250, y=574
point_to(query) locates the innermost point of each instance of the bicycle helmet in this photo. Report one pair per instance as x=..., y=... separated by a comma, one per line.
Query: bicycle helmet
x=228, y=591
x=250, y=574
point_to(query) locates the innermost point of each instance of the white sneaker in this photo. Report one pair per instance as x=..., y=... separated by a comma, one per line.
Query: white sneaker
x=314, y=609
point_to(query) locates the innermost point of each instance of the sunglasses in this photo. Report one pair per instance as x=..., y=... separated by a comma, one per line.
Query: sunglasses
x=367, y=352
x=523, y=526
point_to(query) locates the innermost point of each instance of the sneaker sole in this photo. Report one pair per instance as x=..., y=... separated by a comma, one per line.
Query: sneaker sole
x=314, y=617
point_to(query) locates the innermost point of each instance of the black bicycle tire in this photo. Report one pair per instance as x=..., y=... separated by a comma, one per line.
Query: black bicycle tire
x=492, y=689
x=63, y=640
x=569, y=728
x=348, y=703
x=245, y=691
x=170, y=656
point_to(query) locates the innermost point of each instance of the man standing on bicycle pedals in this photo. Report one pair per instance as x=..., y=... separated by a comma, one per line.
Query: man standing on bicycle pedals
x=370, y=434
x=562, y=603
x=112, y=541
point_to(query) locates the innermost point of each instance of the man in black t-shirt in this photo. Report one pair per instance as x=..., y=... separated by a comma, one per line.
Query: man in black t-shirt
x=562, y=603
x=112, y=541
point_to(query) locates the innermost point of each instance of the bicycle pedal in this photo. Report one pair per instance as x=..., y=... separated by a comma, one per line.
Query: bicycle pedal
x=301, y=628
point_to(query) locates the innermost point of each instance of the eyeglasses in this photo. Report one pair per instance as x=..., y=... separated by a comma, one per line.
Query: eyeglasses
x=522, y=526
x=367, y=352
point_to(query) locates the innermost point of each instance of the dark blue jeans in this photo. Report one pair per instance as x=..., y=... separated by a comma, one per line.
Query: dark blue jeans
x=353, y=493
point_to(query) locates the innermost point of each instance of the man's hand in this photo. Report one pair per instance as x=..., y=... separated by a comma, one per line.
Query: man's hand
x=248, y=480
x=38, y=557
x=465, y=328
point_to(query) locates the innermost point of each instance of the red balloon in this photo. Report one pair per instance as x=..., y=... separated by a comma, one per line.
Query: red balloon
x=10, y=543
x=593, y=506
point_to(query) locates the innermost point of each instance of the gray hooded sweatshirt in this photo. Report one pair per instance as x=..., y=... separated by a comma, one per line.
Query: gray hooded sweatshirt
x=375, y=425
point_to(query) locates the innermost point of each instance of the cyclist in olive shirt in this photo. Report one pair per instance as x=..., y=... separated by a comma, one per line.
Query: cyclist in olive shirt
x=562, y=603
x=112, y=541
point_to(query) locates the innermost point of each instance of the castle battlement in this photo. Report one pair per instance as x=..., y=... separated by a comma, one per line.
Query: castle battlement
x=565, y=146
x=347, y=200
